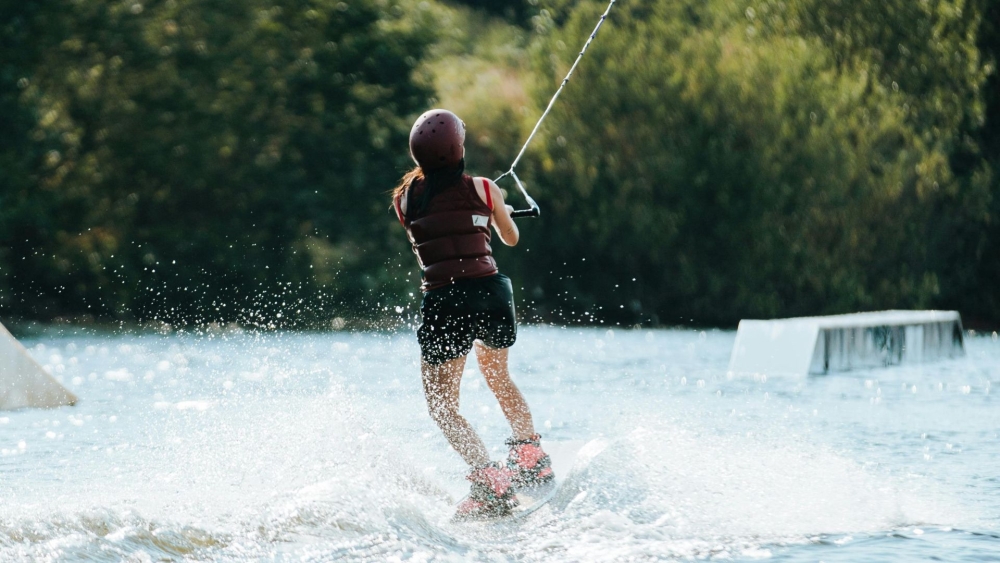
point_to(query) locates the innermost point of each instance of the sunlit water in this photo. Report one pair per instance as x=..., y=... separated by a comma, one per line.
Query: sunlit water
x=238, y=447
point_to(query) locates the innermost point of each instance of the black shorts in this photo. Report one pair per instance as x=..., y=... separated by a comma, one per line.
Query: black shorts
x=467, y=310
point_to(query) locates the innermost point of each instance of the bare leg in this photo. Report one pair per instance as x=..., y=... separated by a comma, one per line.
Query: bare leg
x=441, y=388
x=493, y=365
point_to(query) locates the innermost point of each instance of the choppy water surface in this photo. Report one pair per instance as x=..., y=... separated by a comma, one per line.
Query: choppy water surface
x=238, y=447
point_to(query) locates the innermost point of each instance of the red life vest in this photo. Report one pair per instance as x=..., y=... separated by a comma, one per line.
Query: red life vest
x=451, y=237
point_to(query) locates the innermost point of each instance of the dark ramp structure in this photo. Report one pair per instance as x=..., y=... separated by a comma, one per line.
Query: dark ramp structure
x=23, y=383
x=820, y=345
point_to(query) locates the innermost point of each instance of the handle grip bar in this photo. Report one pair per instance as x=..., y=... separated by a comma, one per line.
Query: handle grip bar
x=518, y=213
x=533, y=210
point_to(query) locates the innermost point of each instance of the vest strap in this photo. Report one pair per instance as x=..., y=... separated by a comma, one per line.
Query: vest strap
x=489, y=197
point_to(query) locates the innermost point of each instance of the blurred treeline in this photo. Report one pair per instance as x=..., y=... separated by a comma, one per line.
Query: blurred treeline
x=194, y=161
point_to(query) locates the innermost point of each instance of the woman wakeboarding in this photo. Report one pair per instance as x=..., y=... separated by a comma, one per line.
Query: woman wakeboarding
x=466, y=303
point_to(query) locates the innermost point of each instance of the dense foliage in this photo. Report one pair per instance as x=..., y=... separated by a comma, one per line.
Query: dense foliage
x=754, y=160
x=208, y=160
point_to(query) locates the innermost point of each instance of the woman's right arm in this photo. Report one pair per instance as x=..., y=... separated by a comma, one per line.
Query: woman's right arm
x=502, y=221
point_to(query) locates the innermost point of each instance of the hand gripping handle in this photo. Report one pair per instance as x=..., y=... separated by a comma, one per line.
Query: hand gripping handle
x=533, y=209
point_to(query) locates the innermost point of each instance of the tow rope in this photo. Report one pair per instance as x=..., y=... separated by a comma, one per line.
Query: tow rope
x=533, y=210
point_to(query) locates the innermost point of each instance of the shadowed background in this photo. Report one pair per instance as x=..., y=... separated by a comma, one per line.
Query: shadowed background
x=195, y=161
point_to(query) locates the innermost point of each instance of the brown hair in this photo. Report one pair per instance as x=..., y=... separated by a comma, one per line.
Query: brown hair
x=436, y=180
x=416, y=173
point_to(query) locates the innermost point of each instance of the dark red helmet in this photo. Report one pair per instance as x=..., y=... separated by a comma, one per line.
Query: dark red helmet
x=437, y=139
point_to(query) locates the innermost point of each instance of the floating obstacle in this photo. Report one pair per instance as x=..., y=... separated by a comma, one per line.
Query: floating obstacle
x=23, y=383
x=819, y=345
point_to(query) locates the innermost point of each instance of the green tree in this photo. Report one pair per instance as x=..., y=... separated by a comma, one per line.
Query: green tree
x=736, y=163
x=222, y=153
x=980, y=292
x=27, y=204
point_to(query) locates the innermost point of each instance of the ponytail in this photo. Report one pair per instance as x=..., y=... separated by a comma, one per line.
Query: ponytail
x=434, y=181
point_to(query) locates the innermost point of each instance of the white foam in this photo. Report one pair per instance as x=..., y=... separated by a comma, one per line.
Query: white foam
x=673, y=482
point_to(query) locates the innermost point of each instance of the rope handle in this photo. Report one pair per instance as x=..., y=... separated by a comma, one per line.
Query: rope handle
x=518, y=213
x=533, y=210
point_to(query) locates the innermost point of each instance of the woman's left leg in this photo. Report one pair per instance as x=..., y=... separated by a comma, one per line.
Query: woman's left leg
x=493, y=365
x=442, y=383
x=491, y=493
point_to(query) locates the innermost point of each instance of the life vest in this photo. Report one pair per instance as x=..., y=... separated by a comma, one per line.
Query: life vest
x=451, y=237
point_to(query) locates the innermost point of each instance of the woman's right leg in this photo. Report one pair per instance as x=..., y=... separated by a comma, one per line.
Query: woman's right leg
x=442, y=383
x=530, y=464
x=493, y=365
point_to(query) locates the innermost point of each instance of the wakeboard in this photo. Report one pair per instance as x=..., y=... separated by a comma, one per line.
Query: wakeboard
x=530, y=499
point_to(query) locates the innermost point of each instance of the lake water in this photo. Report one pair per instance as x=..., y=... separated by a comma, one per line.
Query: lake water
x=318, y=447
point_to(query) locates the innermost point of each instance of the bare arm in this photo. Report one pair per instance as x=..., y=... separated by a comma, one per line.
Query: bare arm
x=502, y=221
